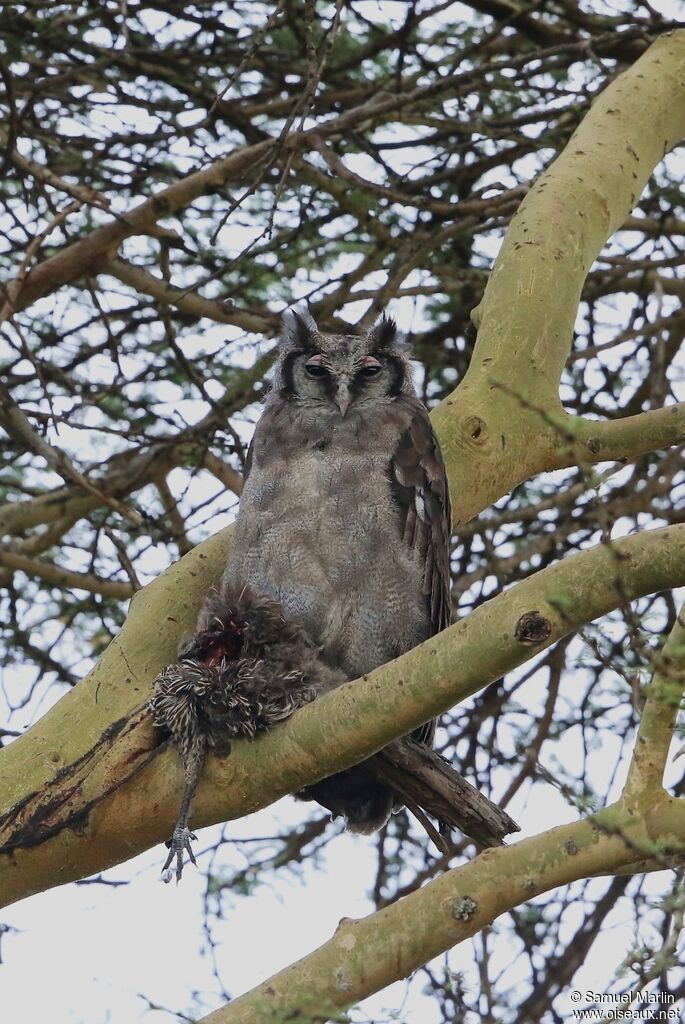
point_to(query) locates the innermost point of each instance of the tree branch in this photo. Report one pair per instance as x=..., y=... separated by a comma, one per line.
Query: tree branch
x=531, y=300
x=606, y=440
x=366, y=955
x=89, y=798
x=17, y=425
x=60, y=577
x=188, y=301
x=664, y=696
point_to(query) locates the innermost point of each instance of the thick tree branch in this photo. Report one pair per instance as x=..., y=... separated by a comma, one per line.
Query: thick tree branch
x=570, y=212
x=627, y=438
x=366, y=955
x=90, y=797
x=531, y=300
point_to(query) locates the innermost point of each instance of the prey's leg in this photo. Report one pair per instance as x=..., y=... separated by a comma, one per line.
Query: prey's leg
x=193, y=756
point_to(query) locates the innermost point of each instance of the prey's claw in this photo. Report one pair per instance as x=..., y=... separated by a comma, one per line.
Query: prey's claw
x=178, y=844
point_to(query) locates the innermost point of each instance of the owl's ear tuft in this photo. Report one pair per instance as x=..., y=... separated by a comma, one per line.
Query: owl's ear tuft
x=384, y=335
x=299, y=329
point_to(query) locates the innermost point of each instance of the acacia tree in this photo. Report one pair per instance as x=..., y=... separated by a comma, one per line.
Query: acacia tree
x=175, y=177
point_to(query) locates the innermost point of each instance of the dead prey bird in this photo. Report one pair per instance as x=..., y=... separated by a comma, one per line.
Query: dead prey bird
x=246, y=669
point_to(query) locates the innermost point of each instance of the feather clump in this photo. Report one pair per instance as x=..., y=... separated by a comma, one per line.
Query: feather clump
x=245, y=670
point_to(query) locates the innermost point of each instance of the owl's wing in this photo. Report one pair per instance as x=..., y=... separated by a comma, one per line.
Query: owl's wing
x=421, y=493
x=248, y=461
x=266, y=427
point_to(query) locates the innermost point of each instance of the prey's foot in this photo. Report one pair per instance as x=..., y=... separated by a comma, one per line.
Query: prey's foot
x=178, y=844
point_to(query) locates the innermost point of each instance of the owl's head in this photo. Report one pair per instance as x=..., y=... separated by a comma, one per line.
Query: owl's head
x=341, y=371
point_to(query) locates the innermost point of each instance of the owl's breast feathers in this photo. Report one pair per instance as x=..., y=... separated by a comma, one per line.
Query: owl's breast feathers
x=345, y=521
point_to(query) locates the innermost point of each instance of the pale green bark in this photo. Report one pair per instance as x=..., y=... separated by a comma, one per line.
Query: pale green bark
x=366, y=955
x=121, y=795
x=158, y=617
x=663, y=700
x=504, y=423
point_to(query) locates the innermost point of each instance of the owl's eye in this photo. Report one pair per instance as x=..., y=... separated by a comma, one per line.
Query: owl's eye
x=315, y=369
x=371, y=368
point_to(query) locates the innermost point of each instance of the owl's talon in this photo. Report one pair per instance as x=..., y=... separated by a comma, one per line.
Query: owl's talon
x=178, y=844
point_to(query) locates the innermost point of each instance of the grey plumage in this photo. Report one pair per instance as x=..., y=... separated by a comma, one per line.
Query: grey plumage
x=345, y=517
x=340, y=560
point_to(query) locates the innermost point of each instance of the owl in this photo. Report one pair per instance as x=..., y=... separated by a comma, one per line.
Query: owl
x=344, y=519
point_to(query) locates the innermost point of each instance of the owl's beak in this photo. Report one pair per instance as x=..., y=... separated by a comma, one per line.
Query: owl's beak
x=343, y=397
